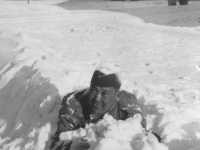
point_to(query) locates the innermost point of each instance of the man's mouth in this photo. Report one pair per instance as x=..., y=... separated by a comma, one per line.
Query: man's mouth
x=97, y=105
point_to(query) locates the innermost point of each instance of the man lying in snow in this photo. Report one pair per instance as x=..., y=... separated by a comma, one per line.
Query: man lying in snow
x=89, y=105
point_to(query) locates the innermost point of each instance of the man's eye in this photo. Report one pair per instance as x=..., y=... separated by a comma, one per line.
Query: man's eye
x=105, y=94
x=93, y=90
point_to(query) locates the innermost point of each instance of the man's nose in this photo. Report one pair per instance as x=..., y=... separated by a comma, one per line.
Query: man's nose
x=98, y=96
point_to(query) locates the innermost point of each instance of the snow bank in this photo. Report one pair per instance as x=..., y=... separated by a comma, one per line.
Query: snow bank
x=31, y=85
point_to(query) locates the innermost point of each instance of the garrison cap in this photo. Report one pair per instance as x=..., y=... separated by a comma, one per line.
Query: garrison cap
x=107, y=75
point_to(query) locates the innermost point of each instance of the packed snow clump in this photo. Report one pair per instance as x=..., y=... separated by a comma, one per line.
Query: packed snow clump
x=116, y=135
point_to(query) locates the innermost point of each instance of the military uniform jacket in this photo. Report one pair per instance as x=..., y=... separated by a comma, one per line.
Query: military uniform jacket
x=75, y=111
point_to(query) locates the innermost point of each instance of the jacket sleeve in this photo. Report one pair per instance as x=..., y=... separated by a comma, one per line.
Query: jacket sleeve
x=70, y=116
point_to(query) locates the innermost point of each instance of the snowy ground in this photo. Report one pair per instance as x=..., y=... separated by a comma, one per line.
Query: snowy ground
x=47, y=51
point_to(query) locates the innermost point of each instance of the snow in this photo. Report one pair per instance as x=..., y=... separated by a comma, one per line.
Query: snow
x=47, y=51
x=125, y=135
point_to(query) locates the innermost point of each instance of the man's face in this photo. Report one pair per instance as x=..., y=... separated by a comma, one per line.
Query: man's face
x=101, y=99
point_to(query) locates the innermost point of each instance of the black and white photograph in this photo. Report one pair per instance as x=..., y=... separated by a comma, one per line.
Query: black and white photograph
x=99, y=74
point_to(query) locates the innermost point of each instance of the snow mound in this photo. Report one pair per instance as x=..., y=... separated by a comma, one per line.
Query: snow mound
x=116, y=135
x=31, y=86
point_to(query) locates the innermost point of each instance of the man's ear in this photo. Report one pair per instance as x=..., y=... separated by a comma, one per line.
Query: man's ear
x=118, y=95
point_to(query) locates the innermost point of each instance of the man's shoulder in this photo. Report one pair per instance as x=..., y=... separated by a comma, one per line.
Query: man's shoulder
x=74, y=96
x=128, y=102
x=127, y=98
x=71, y=114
